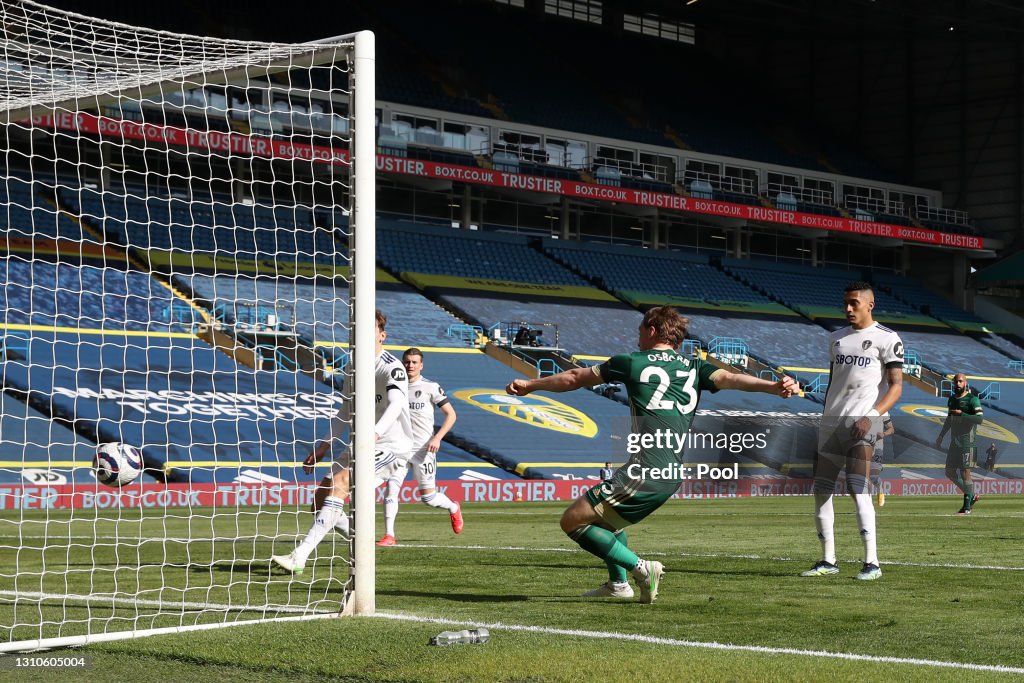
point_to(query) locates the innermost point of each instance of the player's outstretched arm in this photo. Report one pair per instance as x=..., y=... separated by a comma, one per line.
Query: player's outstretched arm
x=570, y=380
x=785, y=387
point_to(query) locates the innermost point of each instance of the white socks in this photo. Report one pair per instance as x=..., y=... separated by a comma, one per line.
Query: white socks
x=342, y=525
x=439, y=500
x=825, y=519
x=391, y=507
x=866, y=526
x=328, y=516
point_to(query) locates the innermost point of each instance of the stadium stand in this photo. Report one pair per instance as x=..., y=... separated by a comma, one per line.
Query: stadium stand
x=816, y=292
x=321, y=315
x=157, y=226
x=912, y=291
x=31, y=438
x=26, y=215
x=490, y=278
x=408, y=247
x=717, y=305
x=456, y=463
x=67, y=295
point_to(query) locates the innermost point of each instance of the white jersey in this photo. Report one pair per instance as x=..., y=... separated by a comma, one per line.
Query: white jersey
x=424, y=396
x=389, y=374
x=858, y=359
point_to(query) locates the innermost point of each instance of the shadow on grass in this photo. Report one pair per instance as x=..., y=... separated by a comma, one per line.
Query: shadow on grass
x=458, y=597
x=730, y=572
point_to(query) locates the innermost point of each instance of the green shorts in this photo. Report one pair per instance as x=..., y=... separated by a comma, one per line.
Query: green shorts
x=960, y=458
x=622, y=501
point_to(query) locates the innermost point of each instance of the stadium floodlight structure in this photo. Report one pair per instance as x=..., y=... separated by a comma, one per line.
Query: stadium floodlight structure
x=147, y=178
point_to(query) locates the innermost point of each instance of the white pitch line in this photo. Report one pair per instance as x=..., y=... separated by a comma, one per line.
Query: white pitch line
x=758, y=649
x=164, y=604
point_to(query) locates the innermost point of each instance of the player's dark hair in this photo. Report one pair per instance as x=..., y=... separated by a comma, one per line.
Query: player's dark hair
x=412, y=351
x=382, y=320
x=669, y=325
x=859, y=286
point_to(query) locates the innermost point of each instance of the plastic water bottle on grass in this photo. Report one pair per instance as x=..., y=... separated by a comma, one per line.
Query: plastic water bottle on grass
x=473, y=636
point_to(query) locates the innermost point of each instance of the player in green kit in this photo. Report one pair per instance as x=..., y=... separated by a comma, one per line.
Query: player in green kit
x=964, y=416
x=664, y=387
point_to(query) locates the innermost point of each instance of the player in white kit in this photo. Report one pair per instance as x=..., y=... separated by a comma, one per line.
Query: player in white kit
x=424, y=396
x=865, y=381
x=393, y=435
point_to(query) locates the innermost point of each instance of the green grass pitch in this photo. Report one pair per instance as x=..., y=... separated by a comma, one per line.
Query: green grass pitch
x=951, y=592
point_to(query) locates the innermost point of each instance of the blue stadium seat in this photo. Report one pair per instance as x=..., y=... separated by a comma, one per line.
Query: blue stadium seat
x=66, y=295
x=25, y=214
x=321, y=312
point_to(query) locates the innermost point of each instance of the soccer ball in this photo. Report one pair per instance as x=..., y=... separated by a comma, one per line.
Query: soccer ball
x=117, y=464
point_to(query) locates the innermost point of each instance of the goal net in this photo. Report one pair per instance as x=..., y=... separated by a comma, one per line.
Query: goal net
x=183, y=225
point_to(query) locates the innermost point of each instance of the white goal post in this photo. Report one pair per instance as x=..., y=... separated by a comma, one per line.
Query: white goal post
x=187, y=266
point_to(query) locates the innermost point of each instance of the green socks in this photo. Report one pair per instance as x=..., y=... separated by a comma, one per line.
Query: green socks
x=608, y=546
x=618, y=573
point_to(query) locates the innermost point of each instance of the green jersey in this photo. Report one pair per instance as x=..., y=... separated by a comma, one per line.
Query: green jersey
x=664, y=387
x=965, y=425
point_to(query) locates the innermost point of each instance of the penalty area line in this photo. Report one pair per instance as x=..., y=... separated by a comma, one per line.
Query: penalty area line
x=655, y=640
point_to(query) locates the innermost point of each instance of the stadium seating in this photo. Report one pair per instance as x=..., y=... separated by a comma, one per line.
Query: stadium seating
x=408, y=247
x=250, y=232
x=817, y=293
x=717, y=305
x=490, y=278
x=25, y=214
x=320, y=313
x=1010, y=349
x=46, y=448
x=585, y=327
x=66, y=295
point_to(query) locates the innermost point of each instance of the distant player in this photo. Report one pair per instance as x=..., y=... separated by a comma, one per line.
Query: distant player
x=393, y=435
x=964, y=416
x=865, y=381
x=424, y=396
x=877, y=457
x=664, y=387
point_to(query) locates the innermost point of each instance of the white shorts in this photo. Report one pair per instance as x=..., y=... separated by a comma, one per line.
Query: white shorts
x=385, y=464
x=424, y=469
x=835, y=439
